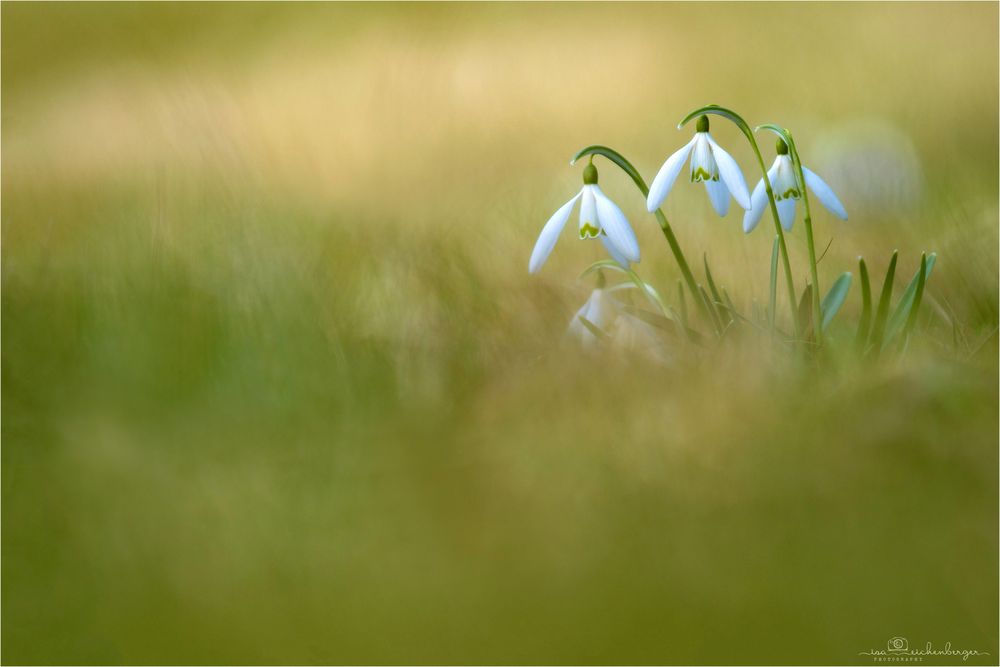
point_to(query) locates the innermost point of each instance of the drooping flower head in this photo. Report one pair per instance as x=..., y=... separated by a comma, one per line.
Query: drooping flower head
x=709, y=165
x=600, y=219
x=600, y=311
x=605, y=319
x=786, y=192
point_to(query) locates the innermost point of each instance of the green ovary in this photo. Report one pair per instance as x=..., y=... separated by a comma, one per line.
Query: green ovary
x=588, y=231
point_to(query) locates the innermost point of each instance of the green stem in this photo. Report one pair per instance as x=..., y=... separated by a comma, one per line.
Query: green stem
x=737, y=120
x=813, y=269
x=668, y=232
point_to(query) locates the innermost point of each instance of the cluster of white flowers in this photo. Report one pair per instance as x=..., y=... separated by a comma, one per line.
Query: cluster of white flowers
x=601, y=219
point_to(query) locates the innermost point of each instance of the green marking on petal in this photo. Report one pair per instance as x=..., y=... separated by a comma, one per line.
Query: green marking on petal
x=701, y=175
x=790, y=193
x=588, y=231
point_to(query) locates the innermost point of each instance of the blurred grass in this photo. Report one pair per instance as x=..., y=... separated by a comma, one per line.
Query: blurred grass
x=277, y=388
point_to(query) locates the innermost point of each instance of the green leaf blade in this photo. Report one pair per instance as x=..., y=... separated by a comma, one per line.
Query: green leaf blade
x=878, y=329
x=866, y=306
x=835, y=298
x=900, y=316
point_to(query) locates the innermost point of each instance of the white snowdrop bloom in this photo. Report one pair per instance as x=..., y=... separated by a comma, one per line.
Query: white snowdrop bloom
x=786, y=193
x=600, y=309
x=600, y=219
x=709, y=165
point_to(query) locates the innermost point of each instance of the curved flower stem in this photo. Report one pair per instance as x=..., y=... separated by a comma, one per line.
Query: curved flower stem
x=737, y=120
x=668, y=233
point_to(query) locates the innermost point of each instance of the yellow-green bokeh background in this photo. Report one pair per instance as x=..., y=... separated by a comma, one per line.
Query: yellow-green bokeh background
x=277, y=386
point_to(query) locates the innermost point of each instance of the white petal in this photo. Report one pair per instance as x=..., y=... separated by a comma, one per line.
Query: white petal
x=703, y=165
x=614, y=252
x=825, y=194
x=588, y=214
x=660, y=187
x=719, y=195
x=550, y=233
x=613, y=222
x=783, y=182
x=758, y=202
x=599, y=311
x=731, y=174
x=786, y=213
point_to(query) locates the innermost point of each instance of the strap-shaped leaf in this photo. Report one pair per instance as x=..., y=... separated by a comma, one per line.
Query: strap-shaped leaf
x=835, y=298
x=593, y=328
x=925, y=272
x=909, y=300
x=864, y=324
x=716, y=322
x=878, y=329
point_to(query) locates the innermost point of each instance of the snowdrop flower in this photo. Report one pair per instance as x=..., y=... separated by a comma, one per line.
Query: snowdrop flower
x=600, y=219
x=625, y=331
x=710, y=165
x=600, y=310
x=786, y=192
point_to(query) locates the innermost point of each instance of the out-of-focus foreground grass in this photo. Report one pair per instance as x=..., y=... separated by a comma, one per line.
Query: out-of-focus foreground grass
x=278, y=388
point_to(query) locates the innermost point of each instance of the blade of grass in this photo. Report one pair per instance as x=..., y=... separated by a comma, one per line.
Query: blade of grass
x=911, y=319
x=900, y=316
x=593, y=328
x=883, y=302
x=712, y=311
x=728, y=301
x=866, y=307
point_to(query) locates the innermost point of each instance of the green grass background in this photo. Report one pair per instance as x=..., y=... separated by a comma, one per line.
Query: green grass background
x=277, y=387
